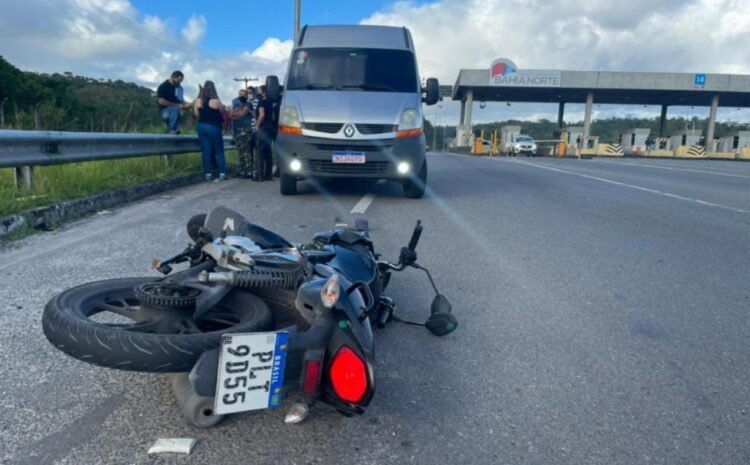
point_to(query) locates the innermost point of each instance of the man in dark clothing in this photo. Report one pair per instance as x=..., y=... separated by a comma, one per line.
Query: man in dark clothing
x=242, y=130
x=254, y=102
x=171, y=101
x=266, y=127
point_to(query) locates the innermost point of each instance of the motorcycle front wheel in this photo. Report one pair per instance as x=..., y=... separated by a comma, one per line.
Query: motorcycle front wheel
x=105, y=323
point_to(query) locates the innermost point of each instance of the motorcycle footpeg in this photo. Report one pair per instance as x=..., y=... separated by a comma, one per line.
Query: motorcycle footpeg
x=386, y=309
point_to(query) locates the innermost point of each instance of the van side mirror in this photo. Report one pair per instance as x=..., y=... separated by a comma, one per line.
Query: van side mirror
x=273, y=89
x=431, y=91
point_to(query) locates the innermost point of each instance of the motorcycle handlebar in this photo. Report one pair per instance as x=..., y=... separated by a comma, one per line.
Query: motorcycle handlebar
x=415, y=236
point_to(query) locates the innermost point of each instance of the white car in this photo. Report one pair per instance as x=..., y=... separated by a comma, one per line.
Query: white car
x=524, y=145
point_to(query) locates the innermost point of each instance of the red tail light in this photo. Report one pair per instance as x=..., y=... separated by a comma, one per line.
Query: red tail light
x=312, y=377
x=348, y=375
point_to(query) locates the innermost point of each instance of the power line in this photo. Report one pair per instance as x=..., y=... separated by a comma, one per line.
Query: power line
x=246, y=80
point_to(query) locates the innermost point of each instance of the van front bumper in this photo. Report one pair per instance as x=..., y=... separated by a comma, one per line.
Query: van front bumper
x=382, y=156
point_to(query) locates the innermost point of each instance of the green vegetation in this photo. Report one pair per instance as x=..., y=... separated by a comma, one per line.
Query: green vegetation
x=75, y=180
x=65, y=102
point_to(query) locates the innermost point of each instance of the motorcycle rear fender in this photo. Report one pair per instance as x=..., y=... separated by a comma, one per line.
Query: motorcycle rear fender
x=331, y=329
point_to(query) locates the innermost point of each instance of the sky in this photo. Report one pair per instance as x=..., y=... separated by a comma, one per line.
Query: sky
x=142, y=41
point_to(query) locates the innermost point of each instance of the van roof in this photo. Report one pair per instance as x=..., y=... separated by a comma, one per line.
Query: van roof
x=359, y=36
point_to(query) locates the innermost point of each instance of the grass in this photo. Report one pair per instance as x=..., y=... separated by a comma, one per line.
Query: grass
x=57, y=183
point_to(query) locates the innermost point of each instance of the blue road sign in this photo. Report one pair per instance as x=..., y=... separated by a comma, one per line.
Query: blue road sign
x=700, y=80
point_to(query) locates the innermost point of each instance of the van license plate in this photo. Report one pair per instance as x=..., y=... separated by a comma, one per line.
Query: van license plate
x=251, y=372
x=348, y=157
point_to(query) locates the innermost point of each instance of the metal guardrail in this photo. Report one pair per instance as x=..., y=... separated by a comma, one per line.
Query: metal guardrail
x=25, y=149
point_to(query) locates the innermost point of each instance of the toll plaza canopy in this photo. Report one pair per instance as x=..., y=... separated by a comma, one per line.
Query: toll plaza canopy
x=505, y=82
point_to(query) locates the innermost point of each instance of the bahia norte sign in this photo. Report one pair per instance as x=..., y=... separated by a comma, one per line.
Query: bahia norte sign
x=504, y=72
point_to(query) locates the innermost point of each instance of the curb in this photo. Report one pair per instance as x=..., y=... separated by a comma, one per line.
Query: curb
x=45, y=218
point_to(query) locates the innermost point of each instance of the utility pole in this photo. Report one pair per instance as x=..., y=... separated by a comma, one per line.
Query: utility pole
x=297, y=14
x=435, y=127
x=246, y=80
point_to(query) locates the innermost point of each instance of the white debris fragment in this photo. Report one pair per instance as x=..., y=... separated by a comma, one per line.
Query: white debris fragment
x=173, y=445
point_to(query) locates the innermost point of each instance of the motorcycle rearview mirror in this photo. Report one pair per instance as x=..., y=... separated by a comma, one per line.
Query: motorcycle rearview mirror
x=441, y=320
x=194, y=225
x=440, y=304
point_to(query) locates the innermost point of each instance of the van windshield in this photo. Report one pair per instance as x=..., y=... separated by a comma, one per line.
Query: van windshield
x=353, y=69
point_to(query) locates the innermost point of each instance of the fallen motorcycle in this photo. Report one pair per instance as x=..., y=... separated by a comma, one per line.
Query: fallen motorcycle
x=251, y=321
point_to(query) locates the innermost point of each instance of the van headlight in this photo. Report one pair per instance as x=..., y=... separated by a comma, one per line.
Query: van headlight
x=410, y=119
x=289, y=117
x=410, y=124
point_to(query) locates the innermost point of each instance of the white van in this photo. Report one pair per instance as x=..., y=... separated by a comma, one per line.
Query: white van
x=352, y=108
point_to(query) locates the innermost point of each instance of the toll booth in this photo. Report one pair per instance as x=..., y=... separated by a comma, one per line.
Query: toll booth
x=688, y=137
x=733, y=142
x=740, y=140
x=634, y=140
x=508, y=136
x=575, y=135
x=725, y=144
x=663, y=143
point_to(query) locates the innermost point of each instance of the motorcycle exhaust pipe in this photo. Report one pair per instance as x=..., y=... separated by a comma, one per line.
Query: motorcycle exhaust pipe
x=252, y=279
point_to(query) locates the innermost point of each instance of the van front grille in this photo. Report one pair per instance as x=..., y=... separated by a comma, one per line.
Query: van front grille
x=353, y=147
x=371, y=167
x=376, y=128
x=330, y=128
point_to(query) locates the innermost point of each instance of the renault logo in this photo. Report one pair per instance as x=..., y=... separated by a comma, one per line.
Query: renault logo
x=348, y=130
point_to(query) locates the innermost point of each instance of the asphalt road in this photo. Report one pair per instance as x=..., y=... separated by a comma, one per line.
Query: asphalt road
x=604, y=311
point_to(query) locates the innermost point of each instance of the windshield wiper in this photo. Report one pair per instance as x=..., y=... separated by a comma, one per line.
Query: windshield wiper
x=369, y=86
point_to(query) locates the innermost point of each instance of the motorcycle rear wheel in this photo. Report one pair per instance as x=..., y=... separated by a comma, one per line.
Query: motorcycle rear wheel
x=104, y=323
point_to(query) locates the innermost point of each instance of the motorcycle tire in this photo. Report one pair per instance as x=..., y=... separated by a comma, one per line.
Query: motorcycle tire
x=415, y=188
x=288, y=185
x=67, y=324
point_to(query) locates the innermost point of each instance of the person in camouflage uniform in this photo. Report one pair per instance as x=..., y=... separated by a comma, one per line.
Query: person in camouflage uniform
x=242, y=130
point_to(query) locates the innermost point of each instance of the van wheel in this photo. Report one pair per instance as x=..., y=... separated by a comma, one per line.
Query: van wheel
x=288, y=185
x=415, y=186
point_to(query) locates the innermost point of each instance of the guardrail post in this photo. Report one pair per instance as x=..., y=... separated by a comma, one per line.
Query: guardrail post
x=165, y=160
x=25, y=177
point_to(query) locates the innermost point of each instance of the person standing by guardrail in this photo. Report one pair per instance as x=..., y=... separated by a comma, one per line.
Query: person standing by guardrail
x=170, y=97
x=207, y=107
x=242, y=131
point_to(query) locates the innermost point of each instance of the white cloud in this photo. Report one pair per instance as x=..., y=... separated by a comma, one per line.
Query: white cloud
x=273, y=50
x=667, y=35
x=195, y=29
x=110, y=39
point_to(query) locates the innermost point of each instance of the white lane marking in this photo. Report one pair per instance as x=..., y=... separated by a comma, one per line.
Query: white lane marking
x=611, y=162
x=640, y=188
x=363, y=204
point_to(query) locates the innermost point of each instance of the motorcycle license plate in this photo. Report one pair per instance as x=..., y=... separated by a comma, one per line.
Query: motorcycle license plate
x=251, y=372
x=348, y=157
